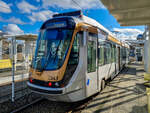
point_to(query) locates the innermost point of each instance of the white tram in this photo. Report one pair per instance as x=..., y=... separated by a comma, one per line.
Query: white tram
x=74, y=57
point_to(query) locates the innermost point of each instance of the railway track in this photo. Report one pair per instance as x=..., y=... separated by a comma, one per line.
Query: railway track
x=27, y=105
x=23, y=99
x=45, y=106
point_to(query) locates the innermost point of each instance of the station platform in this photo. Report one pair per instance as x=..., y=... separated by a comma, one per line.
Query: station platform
x=8, y=79
x=124, y=94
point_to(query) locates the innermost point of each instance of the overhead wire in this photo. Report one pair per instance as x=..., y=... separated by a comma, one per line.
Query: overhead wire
x=77, y=4
x=80, y=6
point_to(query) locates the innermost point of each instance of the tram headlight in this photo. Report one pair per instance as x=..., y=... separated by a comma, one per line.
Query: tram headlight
x=56, y=84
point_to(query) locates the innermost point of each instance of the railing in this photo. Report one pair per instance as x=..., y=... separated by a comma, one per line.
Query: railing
x=15, y=57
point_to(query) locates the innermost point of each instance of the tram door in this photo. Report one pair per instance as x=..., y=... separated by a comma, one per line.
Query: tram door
x=91, y=73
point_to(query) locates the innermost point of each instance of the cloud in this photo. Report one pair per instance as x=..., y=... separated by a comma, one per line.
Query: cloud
x=73, y=4
x=38, y=0
x=13, y=20
x=41, y=16
x=12, y=29
x=25, y=7
x=127, y=33
x=4, y=7
x=127, y=30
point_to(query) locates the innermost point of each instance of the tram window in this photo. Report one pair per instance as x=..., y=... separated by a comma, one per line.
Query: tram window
x=101, y=53
x=91, y=55
x=124, y=53
x=73, y=59
x=74, y=55
x=107, y=53
x=116, y=54
x=113, y=54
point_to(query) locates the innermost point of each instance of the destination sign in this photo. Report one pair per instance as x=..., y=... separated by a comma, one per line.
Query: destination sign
x=60, y=24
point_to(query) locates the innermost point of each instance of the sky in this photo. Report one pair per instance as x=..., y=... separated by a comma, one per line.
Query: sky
x=26, y=16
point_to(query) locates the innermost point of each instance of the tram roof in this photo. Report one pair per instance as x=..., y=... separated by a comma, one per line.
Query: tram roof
x=90, y=21
x=98, y=25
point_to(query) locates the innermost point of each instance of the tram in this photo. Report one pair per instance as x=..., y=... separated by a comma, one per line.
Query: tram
x=74, y=57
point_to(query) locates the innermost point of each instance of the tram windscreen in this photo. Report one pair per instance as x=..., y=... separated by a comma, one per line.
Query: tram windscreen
x=51, y=48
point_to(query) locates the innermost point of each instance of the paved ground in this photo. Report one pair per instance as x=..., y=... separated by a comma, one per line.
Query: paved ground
x=125, y=94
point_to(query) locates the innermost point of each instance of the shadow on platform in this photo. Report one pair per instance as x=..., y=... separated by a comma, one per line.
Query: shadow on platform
x=122, y=95
x=139, y=109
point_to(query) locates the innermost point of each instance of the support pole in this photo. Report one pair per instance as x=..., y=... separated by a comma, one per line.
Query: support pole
x=147, y=51
x=15, y=53
x=23, y=51
x=143, y=56
x=1, y=49
x=13, y=67
x=10, y=50
x=27, y=51
x=147, y=64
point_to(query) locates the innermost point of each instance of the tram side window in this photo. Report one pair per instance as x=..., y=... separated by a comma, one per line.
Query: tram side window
x=120, y=53
x=73, y=58
x=113, y=58
x=100, y=53
x=107, y=53
x=124, y=53
x=91, y=54
x=74, y=55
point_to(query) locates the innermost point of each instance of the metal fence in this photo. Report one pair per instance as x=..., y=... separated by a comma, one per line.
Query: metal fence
x=15, y=58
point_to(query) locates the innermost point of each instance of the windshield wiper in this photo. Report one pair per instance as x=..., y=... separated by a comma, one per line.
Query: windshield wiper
x=57, y=50
x=48, y=56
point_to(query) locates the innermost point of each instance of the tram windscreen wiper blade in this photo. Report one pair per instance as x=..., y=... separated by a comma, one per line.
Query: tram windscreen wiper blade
x=48, y=56
x=57, y=50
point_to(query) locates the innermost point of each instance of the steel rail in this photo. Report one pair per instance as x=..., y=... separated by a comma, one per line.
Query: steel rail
x=27, y=105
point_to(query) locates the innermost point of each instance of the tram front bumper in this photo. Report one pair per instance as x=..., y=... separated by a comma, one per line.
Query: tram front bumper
x=45, y=90
x=56, y=94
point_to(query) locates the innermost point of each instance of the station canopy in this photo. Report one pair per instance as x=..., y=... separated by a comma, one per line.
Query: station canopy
x=129, y=12
x=26, y=37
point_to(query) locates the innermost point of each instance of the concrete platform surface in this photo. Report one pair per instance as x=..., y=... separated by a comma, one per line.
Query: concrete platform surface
x=125, y=94
x=8, y=79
